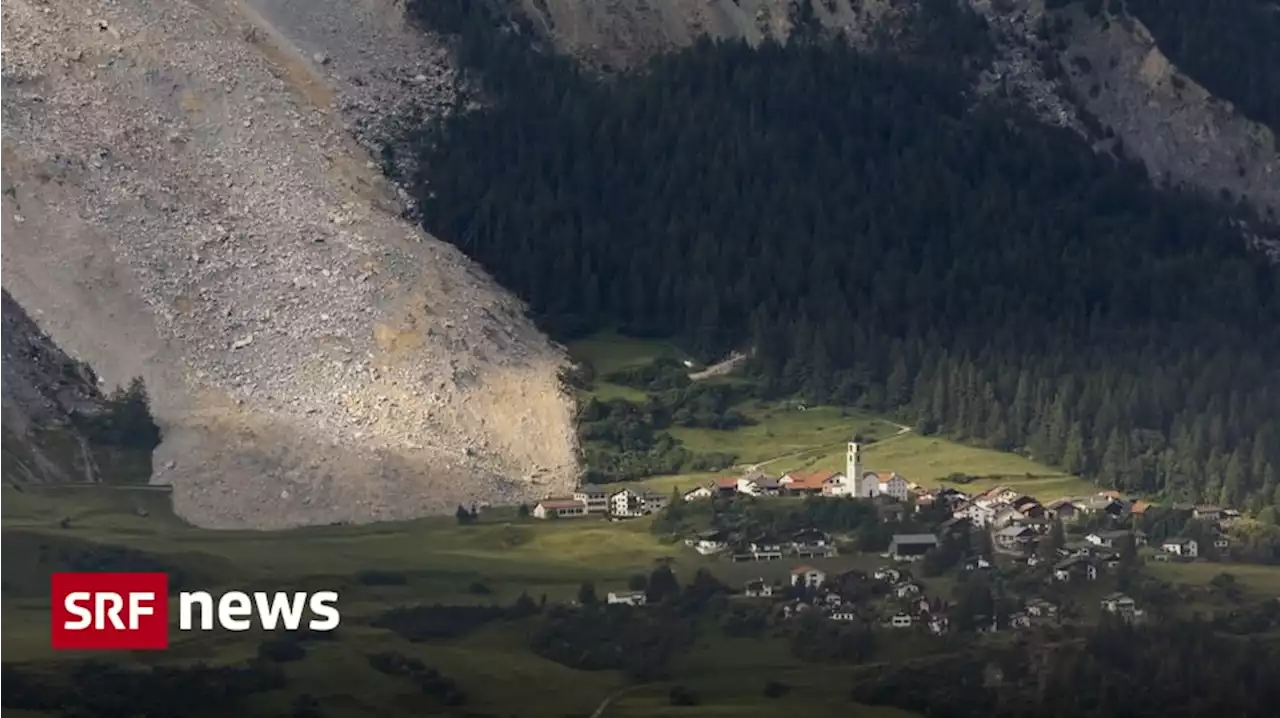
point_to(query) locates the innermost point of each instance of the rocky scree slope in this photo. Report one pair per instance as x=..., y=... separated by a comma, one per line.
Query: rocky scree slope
x=183, y=201
x=1161, y=116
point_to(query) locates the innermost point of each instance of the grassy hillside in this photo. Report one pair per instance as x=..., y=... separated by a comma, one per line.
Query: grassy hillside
x=789, y=435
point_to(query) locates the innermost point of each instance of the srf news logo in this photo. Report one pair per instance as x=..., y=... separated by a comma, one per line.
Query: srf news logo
x=130, y=611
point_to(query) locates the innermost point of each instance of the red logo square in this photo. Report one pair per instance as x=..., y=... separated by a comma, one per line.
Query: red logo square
x=110, y=611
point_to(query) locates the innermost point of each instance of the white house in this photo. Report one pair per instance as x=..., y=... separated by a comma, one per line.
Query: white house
x=708, y=542
x=702, y=492
x=980, y=515
x=758, y=588
x=1182, y=547
x=807, y=576
x=1119, y=604
x=901, y=620
x=627, y=503
x=559, y=508
x=892, y=575
x=629, y=598
x=908, y=589
x=894, y=486
x=595, y=497
x=844, y=613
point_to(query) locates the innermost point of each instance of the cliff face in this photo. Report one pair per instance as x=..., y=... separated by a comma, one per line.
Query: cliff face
x=184, y=202
x=44, y=393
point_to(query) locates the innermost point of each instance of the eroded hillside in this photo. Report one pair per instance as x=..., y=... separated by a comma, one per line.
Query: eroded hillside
x=182, y=202
x=1181, y=132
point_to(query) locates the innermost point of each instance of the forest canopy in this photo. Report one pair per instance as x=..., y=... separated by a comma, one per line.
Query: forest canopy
x=880, y=236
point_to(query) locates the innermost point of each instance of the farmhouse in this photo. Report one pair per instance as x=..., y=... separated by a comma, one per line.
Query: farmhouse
x=1207, y=513
x=1181, y=547
x=817, y=483
x=891, y=485
x=700, y=493
x=911, y=545
x=758, y=588
x=708, y=542
x=1075, y=567
x=762, y=550
x=1062, y=510
x=807, y=576
x=1014, y=536
x=559, y=508
x=1112, y=538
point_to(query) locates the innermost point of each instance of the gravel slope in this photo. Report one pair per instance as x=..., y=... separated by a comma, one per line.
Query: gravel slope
x=184, y=201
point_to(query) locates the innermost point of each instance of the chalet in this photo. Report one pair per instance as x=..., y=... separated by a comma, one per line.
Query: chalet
x=1119, y=604
x=1062, y=510
x=907, y=590
x=901, y=620
x=1028, y=507
x=726, y=485
x=1103, y=504
x=1041, y=608
x=708, y=542
x=938, y=625
x=892, y=575
x=807, y=576
x=812, y=543
x=1207, y=513
x=1014, y=536
x=559, y=509
x=1075, y=567
x=1019, y=620
x=596, y=498
x=628, y=598
x=759, y=588
x=976, y=563
x=907, y=546
x=1006, y=515
x=980, y=515
x=1111, y=538
x=700, y=493
x=892, y=512
x=845, y=612
x=1181, y=547
x=763, y=550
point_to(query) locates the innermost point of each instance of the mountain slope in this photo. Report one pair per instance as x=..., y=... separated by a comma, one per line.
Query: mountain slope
x=1161, y=115
x=183, y=204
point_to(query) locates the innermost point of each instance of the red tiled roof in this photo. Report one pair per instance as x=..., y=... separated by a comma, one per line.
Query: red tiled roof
x=559, y=503
x=811, y=481
x=798, y=570
x=1139, y=507
x=727, y=482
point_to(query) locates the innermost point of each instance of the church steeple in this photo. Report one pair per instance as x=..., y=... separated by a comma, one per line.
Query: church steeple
x=853, y=465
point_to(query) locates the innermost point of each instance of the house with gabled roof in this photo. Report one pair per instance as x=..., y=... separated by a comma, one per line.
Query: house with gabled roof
x=1181, y=547
x=906, y=546
x=813, y=483
x=807, y=576
x=699, y=494
x=559, y=508
x=757, y=588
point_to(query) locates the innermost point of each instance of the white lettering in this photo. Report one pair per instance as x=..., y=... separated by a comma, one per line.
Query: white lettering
x=187, y=601
x=232, y=607
x=137, y=609
x=280, y=605
x=109, y=606
x=72, y=605
x=320, y=605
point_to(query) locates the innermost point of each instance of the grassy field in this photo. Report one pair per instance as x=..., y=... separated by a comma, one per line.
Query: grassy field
x=1262, y=581
x=441, y=561
x=928, y=460
x=608, y=352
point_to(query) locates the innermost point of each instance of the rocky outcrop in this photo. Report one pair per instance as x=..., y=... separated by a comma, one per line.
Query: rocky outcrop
x=184, y=202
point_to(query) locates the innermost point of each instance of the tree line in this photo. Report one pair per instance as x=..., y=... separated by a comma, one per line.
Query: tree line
x=883, y=239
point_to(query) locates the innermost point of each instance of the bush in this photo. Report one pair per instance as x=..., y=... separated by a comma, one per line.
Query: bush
x=479, y=589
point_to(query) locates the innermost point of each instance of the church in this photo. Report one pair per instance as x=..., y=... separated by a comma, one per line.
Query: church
x=869, y=484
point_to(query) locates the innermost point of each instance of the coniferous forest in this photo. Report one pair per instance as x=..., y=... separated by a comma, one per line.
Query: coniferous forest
x=1232, y=47
x=882, y=238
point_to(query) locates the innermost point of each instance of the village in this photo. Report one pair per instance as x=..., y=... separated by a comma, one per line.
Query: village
x=997, y=532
